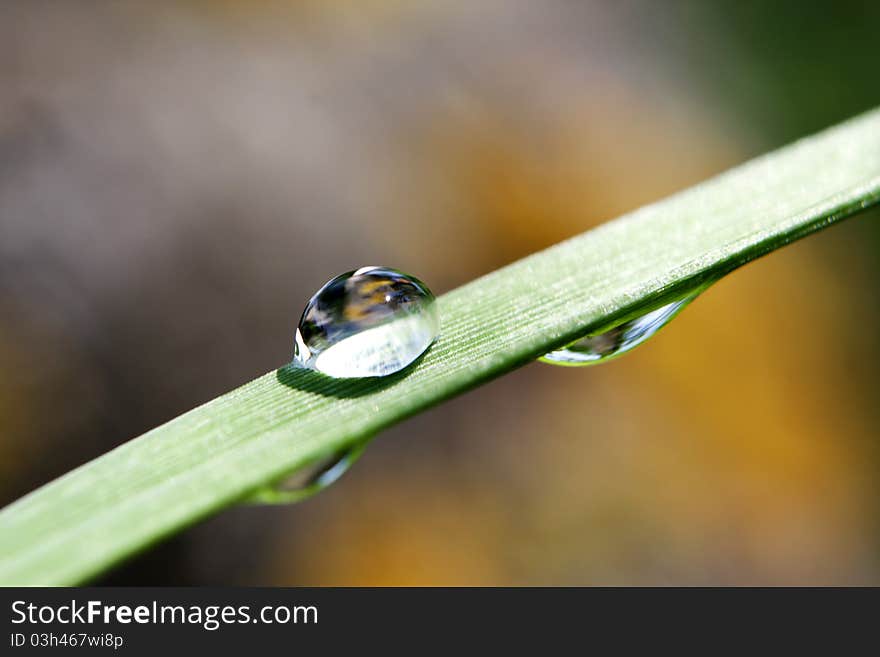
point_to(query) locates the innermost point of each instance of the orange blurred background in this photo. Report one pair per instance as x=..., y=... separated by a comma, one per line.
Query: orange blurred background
x=176, y=178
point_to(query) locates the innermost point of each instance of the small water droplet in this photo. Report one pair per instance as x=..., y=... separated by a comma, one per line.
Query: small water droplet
x=372, y=321
x=600, y=347
x=311, y=478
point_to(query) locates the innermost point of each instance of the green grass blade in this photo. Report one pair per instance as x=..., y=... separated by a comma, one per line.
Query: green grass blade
x=226, y=450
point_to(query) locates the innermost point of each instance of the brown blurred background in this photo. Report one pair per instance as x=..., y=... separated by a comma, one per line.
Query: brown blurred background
x=176, y=178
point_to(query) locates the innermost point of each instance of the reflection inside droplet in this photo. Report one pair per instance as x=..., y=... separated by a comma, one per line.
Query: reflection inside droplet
x=601, y=347
x=311, y=478
x=373, y=321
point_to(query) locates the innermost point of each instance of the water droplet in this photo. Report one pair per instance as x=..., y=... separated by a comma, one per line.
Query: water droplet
x=600, y=347
x=373, y=321
x=311, y=478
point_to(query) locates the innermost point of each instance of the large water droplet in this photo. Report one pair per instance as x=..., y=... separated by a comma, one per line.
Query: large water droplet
x=373, y=321
x=600, y=347
x=311, y=478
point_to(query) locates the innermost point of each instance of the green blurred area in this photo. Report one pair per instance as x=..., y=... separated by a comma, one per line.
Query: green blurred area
x=176, y=178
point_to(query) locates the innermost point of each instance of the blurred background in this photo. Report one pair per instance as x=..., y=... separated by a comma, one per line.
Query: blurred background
x=176, y=178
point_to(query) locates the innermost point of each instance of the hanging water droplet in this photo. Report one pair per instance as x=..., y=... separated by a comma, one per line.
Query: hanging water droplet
x=600, y=347
x=373, y=321
x=311, y=478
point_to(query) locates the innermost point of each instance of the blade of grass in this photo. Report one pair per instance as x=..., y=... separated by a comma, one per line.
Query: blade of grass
x=226, y=450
